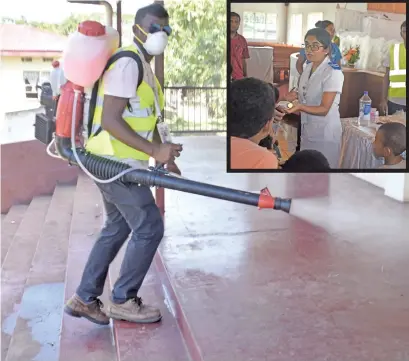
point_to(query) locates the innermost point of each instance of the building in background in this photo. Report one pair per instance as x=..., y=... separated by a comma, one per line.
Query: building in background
x=26, y=54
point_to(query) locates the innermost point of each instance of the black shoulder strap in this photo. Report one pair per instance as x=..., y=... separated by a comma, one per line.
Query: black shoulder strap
x=93, y=100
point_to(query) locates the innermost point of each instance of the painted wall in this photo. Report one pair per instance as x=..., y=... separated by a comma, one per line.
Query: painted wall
x=18, y=126
x=396, y=185
x=12, y=85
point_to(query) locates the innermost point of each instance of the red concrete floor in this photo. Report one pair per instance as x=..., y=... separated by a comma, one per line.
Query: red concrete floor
x=264, y=285
x=240, y=284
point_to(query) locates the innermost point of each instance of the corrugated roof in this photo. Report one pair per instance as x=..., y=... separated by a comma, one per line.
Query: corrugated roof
x=27, y=38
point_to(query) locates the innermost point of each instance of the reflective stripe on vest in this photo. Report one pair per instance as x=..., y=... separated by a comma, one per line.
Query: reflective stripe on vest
x=398, y=85
x=396, y=57
x=397, y=72
x=142, y=120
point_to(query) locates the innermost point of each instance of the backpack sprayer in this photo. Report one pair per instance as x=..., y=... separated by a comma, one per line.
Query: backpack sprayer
x=85, y=59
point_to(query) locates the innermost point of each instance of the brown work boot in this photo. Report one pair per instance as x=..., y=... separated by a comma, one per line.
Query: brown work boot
x=92, y=312
x=133, y=310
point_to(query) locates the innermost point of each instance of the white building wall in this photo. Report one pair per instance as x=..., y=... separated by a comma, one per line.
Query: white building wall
x=12, y=86
x=396, y=185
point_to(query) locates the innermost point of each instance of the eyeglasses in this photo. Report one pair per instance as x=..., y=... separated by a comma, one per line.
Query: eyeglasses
x=154, y=28
x=313, y=47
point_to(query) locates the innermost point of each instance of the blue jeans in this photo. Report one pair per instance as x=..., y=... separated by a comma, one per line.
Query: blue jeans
x=128, y=209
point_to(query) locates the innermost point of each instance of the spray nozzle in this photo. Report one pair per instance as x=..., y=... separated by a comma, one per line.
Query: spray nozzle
x=282, y=204
x=266, y=200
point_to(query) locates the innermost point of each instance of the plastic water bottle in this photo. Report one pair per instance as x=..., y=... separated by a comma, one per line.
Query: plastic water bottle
x=364, y=110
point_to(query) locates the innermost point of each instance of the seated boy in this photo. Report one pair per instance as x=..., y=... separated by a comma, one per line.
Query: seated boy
x=390, y=144
x=251, y=120
x=307, y=160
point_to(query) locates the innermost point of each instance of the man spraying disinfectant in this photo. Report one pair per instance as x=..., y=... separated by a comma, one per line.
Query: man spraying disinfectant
x=125, y=127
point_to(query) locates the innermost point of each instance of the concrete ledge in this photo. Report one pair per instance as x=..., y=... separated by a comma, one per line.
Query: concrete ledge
x=27, y=171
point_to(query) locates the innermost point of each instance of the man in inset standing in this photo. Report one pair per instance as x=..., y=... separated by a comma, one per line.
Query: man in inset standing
x=239, y=52
x=125, y=128
x=394, y=82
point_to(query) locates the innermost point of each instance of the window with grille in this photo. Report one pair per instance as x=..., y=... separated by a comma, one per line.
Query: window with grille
x=44, y=76
x=31, y=77
x=26, y=59
x=259, y=26
x=48, y=60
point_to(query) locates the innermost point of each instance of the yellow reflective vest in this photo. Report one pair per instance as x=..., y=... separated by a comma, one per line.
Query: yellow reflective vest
x=142, y=120
x=397, y=73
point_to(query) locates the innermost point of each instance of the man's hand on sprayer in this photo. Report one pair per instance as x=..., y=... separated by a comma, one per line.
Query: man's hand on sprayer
x=166, y=153
x=173, y=168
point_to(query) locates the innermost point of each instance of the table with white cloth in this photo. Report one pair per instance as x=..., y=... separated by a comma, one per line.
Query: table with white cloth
x=356, y=146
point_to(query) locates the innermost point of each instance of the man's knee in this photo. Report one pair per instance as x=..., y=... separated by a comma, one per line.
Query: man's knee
x=159, y=230
x=153, y=229
x=118, y=229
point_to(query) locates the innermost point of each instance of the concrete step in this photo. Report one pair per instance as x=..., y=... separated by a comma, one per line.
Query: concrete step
x=9, y=226
x=37, y=330
x=155, y=342
x=17, y=264
x=81, y=339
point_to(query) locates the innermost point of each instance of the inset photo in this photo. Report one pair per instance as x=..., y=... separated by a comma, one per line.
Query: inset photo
x=316, y=88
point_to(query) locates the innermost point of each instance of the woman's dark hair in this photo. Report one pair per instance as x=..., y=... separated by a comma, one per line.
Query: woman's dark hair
x=323, y=24
x=252, y=105
x=403, y=25
x=322, y=36
x=306, y=160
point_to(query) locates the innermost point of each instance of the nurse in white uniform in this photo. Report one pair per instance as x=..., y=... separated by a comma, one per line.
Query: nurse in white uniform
x=319, y=92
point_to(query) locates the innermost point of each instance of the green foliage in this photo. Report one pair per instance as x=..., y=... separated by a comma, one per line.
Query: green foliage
x=196, y=54
x=68, y=26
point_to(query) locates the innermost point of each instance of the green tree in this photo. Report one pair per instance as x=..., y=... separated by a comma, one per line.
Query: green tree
x=68, y=26
x=196, y=54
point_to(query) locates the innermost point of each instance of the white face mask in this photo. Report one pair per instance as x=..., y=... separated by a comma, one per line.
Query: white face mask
x=155, y=43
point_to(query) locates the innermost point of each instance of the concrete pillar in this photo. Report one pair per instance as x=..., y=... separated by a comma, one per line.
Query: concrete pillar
x=159, y=68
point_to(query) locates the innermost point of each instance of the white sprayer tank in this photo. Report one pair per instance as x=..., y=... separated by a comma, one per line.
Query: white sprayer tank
x=87, y=52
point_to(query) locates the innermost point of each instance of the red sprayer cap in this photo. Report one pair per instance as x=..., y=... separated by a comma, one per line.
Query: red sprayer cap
x=55, y=64
x=91, y=28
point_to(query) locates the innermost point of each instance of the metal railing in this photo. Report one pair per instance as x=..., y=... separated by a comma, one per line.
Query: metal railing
x=195, y=109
